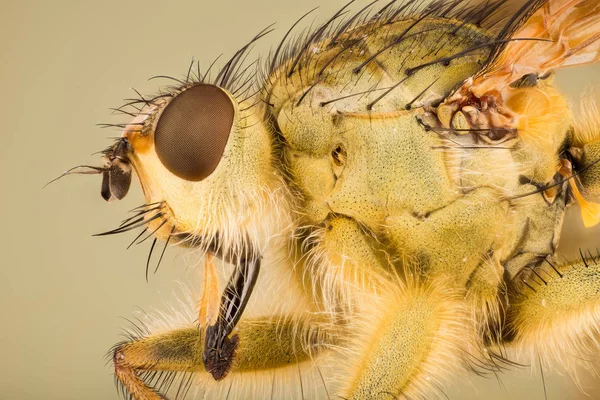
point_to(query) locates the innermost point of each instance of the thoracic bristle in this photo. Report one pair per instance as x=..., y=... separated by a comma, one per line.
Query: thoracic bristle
x=557, y=318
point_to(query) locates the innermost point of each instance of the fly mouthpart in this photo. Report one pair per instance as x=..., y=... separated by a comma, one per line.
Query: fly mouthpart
x=116, y=176
x=116, y=172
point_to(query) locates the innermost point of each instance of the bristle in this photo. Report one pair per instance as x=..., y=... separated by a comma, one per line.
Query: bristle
x=343, y=266
x=308, y=377
x=558, y=320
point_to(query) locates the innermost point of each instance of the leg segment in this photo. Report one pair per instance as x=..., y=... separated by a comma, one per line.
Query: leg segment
x=555, y=312
x=219, y=344
x=264, y=344
x=419, y=333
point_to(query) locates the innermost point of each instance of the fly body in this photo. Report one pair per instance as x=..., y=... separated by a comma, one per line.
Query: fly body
x=378, y=204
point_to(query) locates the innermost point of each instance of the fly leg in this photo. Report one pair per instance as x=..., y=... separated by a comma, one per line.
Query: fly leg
x=146, y=367
x=175, y=351
x=416, y=334
x=219, y=346
x=555, y=312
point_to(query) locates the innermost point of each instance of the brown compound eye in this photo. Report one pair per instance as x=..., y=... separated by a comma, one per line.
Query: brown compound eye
x=192, y=131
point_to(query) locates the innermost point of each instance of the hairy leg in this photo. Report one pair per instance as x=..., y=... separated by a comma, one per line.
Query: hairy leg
x=417, y=333
x=555, y=313
x=265, y=344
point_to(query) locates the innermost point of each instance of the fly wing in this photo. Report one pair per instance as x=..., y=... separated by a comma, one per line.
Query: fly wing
x=543, y=36
x=559, y=34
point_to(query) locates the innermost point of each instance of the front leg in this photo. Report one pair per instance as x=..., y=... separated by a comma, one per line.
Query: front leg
x=219, y=347
x=281, y=347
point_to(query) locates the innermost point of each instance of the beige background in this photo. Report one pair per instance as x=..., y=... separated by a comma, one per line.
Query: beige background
x=63, y=293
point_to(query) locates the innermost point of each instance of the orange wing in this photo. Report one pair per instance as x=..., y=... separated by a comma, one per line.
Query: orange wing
x=568, y=33
x=558, y=34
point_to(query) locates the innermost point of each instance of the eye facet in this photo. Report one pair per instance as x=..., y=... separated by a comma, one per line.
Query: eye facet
x=192, y=131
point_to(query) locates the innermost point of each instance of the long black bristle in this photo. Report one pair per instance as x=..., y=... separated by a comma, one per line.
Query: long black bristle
x=146, y=206
x=150, y=257
x=408, y=105
x=400, y=10
x=141, y=97
x=139, y=214
x=528, y=285
x=558, y=183
x=447, y=60
x=324, y=103
x=153, y=232
x=71, y=171
x=554, y=268
x=187, y=77
x=346, y=25
x=378, y=99
x=132, y=225
x=231, y=66
x=275, y=57
x=383, y=10
x=182, y=83
x=583, y=258
x=137, y=237
x=119, y=110
x=396, y=42
x=164, y=248
x=539, y=276
x=212, y=64
x=315, y=36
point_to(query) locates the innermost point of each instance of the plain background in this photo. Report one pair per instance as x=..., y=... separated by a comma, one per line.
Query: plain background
x=63, y=293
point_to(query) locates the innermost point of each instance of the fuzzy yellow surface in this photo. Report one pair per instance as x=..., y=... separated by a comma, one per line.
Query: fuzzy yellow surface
x=65, y=64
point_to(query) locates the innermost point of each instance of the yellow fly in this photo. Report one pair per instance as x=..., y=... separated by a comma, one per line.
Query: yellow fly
x=378, y=203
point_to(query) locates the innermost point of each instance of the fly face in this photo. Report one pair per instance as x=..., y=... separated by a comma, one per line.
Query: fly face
x=186, y=149
x=204, y=159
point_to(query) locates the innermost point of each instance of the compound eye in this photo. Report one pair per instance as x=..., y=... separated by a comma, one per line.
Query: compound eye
x=192, y=131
